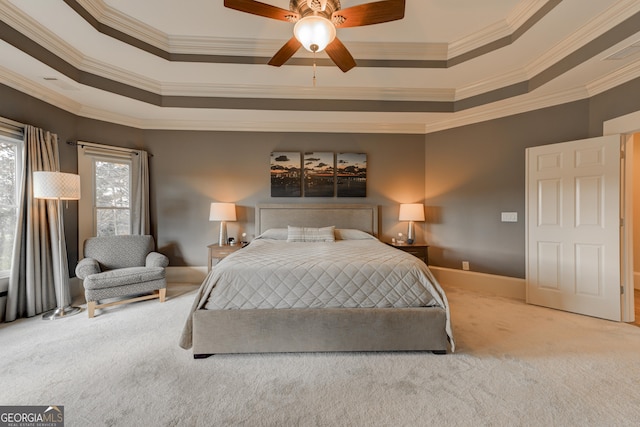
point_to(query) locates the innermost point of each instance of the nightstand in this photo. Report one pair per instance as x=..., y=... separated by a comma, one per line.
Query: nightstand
x=218, y=252
x=419, y=250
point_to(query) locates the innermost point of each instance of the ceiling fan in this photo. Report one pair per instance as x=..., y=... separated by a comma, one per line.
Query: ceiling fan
x=316, y=22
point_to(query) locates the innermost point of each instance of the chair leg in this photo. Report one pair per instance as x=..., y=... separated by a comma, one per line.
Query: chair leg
x=91, y=308
x=163, y=294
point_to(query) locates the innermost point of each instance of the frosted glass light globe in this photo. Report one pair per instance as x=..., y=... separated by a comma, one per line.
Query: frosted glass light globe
x=314, y=32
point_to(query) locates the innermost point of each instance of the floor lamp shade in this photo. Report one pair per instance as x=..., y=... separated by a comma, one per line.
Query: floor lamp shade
x=58, y=186
x=411, y=212
x=222, y=212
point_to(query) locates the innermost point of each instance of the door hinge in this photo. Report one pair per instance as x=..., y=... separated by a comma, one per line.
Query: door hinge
x=621, y=290
x=621, y=222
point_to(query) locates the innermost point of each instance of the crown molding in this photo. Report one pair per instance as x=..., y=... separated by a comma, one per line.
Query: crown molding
x=505, y=108
x=106, y=15
x=126, y=24
x=120, y=75
x=617, y=78
x=29, y=87
x=505, y=28
x=304, y=92
x=523, y=12
x=496, y=82
x=26, y=25
x=596, y=27
x=479, y=39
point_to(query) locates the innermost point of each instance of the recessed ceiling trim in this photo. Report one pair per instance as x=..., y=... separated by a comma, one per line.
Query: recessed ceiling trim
x=618, y=77
x=479, y=114
x=120, y=27
x=153, y=97
x=506, y=108
x=353, y=93
x=618, y=33
x=607, y=21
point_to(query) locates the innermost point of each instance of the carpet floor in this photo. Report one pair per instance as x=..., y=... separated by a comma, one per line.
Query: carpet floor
x=515, y=365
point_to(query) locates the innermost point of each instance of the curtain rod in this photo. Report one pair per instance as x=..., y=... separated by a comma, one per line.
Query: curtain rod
x=11, y=122
x=105, y=147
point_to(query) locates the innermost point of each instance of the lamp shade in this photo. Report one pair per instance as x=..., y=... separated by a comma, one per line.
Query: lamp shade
x=314, y=32
x=56, y=185
x=411, y=212
x=222, y=212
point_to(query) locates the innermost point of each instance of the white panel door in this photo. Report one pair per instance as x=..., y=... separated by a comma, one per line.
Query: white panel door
x=573, y=226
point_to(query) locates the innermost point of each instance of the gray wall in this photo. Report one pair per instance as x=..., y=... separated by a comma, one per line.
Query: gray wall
x=473, y=173
x=192, y=169
x=466, y=176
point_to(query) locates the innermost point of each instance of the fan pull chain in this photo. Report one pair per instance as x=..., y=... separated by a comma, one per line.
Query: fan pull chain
x=314, y=69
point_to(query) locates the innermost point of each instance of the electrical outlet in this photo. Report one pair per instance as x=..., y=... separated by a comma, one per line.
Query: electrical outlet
x=465, y=265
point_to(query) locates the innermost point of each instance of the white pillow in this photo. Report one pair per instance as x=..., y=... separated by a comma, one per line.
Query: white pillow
x=352, y=234
x=274, y=234
x=310, y=234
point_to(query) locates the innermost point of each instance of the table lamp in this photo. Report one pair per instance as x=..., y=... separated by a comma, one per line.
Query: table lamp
x=222, y=212
x=411, y=212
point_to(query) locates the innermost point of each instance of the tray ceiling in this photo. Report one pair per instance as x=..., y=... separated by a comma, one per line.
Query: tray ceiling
x=194, y=64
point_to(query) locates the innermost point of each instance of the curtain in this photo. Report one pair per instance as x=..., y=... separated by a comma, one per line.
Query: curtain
x=36, y=259
x=140, y=193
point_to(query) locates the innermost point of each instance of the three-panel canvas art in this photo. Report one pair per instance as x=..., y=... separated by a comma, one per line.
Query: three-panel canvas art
x=318, y=174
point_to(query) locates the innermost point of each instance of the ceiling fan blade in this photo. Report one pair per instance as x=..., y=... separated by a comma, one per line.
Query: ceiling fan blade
x=262, y=9
x=340, y=55
x=285, y=52
x=369, y=13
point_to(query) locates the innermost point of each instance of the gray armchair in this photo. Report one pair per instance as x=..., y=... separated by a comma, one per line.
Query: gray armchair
x=119, y=266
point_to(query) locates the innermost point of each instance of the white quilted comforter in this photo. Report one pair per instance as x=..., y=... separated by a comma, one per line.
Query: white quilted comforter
x=345, y=273
x=270, y=274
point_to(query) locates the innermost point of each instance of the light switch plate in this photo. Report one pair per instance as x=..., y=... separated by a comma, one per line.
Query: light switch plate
x=509, y=216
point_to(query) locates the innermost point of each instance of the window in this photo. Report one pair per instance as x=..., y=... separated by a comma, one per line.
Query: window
x=10, y=178
x=112, y=182
x=108, y=203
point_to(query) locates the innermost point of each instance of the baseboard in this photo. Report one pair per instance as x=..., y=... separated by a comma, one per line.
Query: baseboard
x=3, y=305
x=508, y=287
x=186, y=274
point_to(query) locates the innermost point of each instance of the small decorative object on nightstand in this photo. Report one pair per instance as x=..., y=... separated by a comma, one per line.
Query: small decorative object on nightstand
x=218, y=252
x=419, y=250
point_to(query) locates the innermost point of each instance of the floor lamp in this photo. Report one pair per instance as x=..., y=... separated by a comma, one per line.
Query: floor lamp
x=58, y=186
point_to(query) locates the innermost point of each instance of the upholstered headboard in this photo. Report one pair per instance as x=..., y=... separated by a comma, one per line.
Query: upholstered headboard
x=278, y=215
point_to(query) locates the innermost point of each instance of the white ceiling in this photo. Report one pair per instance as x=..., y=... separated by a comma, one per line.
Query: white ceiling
x=522, y=55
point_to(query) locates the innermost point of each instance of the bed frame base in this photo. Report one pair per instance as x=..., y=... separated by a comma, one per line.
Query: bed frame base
x=319, y=330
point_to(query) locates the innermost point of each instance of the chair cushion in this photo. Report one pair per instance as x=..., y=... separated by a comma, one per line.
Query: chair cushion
x=123, y=277
x=113, y=252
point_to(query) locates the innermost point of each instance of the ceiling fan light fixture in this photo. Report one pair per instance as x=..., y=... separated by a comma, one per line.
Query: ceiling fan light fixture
x=314, y=32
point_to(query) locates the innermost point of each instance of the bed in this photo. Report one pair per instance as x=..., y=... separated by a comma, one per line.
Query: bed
x=316, y=279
